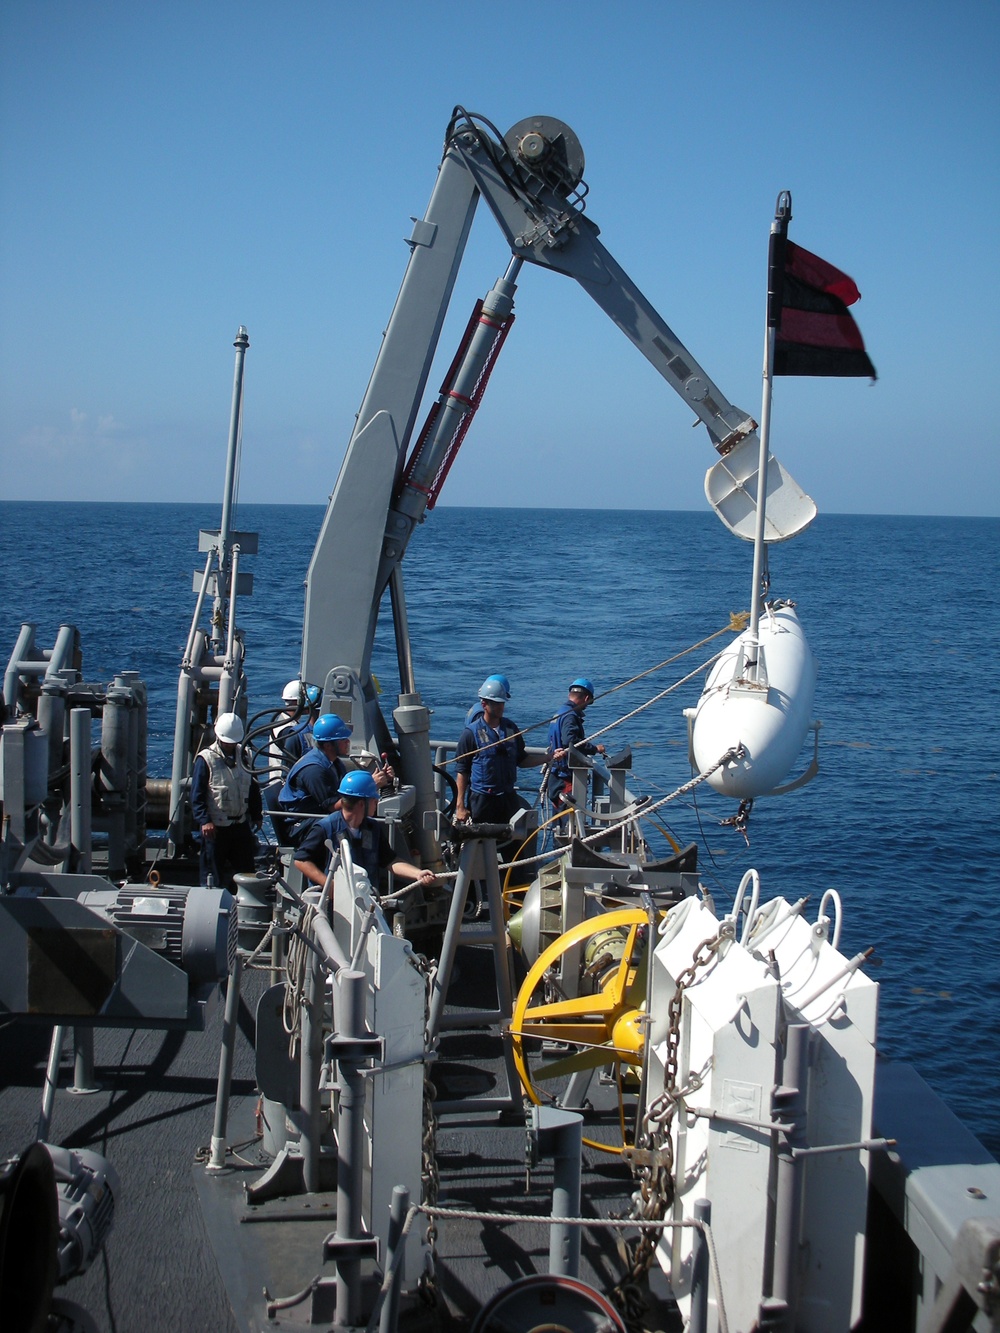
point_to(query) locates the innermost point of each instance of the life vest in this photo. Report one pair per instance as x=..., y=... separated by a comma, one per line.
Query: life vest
x=228, y=787
x=560, y=767
x=277, y=753
x=299, y=739
x=293, y=796
x=363, y=842
x=494, y=768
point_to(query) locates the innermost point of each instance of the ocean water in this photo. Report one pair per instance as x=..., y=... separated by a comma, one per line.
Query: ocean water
x=901, y=613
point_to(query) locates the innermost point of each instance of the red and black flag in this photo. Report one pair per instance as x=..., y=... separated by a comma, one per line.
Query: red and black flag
x=807, y=301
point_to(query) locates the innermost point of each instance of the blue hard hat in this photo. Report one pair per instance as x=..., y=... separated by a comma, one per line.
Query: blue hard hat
x=492, y=689
x=358, y=783
x=582, y=683
x=330, y=727
x=313, y=694
x=502, y=681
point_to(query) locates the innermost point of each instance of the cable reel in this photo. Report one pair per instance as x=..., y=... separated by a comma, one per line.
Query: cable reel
x=606, y=1027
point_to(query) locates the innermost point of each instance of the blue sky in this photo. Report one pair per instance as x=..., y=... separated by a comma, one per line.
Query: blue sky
x=171, y=171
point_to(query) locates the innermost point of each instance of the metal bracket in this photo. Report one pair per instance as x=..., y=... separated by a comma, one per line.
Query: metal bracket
x=646, y=1157
x=357, y=1049
x=343, y=1247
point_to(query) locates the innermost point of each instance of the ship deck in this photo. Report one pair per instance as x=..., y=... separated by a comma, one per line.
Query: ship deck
x=187, y=1251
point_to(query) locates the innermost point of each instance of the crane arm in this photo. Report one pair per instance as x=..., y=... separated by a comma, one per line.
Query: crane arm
x=531, y=181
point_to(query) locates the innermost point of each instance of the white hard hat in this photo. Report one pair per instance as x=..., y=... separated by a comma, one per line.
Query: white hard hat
x=291, y=692
x=228, y=728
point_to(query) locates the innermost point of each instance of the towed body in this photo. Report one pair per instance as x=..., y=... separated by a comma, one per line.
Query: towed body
x=758, y=695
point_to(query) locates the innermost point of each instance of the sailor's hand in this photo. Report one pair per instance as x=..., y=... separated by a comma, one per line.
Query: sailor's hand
x=426, y=878
x=601, y=750
x=461, y=813
x=208, y=832
x=384, y=777
x=559, y=754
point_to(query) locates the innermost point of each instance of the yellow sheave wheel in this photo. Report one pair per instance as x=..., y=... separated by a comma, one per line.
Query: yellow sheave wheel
x=603, y=1026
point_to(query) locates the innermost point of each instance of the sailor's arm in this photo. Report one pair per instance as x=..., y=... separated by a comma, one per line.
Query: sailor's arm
x=199, y=798
x=311, y=871
x=312, y=850
x=461, y=806
x=404, y=870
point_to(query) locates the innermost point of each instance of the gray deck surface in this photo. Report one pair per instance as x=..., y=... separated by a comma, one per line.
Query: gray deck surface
x=161, y=1266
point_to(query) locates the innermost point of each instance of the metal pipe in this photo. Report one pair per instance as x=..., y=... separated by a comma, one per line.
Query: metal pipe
x=699, y=1269
x=790, y=1109
x=330, y=945
x=218, y=1156
x=141, y=762
x=181, y=768
x=413, y=724
x=50, y=1084
x=241, y=343
x=310, y=1069
x=24, y=645
x=395, y=1245
x=351, y=995
x=83, y=1062
x=132, y=682
x=114, y=773
x=567, y=1157
x=234, y=570
x=52, y=719
x=513, y=268
x=61, y=655
x=449, y=945
x=759, y=549
x=401, y=625
x=188, y=659
x=80, y=760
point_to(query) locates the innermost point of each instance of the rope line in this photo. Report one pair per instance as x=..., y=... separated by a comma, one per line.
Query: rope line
x=611, y=1223
x=629, y=816
x=734, y=624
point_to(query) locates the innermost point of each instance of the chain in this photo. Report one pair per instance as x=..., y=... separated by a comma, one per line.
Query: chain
x=653, y=1159
x=741, y=820
x=430, y=1182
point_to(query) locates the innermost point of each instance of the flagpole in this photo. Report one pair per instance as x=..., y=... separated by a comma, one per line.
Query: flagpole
x=775, y=271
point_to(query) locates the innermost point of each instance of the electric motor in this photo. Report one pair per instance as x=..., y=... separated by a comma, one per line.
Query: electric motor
x=195, y=928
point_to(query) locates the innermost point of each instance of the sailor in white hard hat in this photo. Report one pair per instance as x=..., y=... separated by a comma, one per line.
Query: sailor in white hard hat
x=225, y=805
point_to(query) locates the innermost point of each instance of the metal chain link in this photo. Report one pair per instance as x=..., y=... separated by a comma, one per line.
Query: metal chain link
x=430, y=1181
x=653, y=1156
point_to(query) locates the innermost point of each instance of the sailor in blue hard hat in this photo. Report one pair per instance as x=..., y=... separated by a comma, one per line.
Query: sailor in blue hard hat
x=490, y=751
x=367, y=841
x=566, y=731
x=313, y=785
x=477, y=708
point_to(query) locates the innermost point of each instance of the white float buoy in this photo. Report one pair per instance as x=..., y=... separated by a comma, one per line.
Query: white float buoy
x=759, y=694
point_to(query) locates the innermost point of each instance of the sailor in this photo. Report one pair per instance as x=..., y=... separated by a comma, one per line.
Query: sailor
x=370, y=849
x=477, y=708
x=313, y=781
x=299, y=739
x=490, y=751
x=313, y=784
x=566, y=731
x=225, y=802
x=287, y=721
